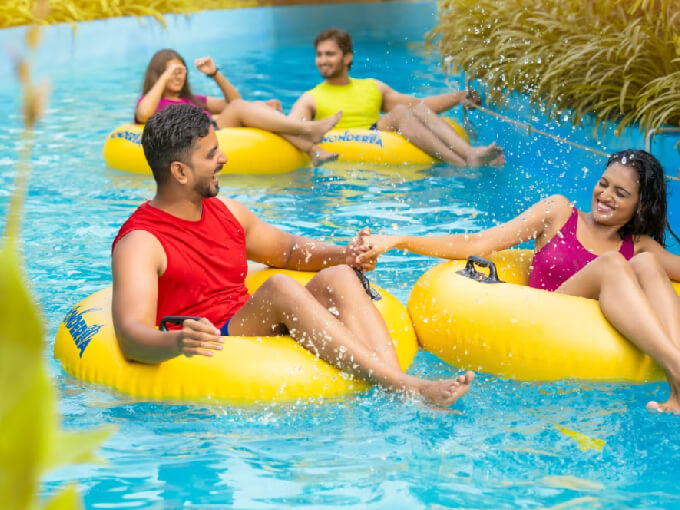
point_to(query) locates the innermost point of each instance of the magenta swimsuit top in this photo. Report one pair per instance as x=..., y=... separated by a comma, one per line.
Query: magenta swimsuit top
x=564, y=255
x=164, y=103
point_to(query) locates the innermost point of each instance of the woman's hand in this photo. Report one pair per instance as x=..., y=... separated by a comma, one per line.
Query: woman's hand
x=205, y=65
x=376, y=245
x=173, y=69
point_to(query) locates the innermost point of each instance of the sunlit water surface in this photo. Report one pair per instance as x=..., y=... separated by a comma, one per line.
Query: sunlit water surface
x=502, y=447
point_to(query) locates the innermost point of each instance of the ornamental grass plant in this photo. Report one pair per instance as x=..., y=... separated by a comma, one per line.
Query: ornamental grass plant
x=22, y=12
x=618, y=60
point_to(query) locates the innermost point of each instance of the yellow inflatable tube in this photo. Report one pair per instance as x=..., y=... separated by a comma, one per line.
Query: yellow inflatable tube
x=247, y=370
x=519, y=332
x=382, y=147
x=254, y=151
x=248, y=150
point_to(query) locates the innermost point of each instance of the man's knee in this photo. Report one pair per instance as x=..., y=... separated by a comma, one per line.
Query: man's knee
x=336, y=274
x=421, y=107
x=280, y=285
x=400, y=111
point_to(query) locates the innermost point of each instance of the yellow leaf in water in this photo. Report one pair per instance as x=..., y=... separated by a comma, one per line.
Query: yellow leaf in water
x=584, y=442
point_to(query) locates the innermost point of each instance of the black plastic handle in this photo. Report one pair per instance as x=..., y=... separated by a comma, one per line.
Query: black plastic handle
x=372, y=293
x=175, y=319
x=471, y=272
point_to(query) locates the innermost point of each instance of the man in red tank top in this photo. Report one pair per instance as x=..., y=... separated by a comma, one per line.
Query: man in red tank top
x=185, y=252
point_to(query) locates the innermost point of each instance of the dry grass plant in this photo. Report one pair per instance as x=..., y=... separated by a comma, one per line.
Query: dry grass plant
x=21, y=12
x=616, y=59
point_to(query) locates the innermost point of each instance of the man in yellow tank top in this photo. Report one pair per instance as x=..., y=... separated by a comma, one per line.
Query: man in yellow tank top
x=363, y=100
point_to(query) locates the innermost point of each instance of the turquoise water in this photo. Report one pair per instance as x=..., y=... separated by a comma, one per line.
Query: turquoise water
x=501, y=448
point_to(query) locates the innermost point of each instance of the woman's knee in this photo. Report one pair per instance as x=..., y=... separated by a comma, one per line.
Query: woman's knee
x=612, y=263
x=647, y=266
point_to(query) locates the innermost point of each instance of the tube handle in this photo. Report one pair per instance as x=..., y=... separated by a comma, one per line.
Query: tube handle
x=175, y=319
x=471, y=272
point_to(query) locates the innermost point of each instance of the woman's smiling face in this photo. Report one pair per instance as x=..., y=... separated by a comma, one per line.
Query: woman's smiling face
x=616, y=195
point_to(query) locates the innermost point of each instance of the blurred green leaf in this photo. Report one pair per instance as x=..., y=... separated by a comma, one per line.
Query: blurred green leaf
x=66, y=499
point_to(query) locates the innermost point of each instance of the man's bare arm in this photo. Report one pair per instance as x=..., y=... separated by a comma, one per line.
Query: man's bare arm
x=438, y=103
x=276, y=248
x=137, y=261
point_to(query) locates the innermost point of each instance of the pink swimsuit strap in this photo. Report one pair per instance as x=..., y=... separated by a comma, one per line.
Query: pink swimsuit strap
x=564, y=255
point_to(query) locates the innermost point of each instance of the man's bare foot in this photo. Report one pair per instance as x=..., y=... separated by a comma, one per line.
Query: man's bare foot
x=320, y=156
x=672, y=405
x=318, y=128
x=491, y=155
x=445, y=393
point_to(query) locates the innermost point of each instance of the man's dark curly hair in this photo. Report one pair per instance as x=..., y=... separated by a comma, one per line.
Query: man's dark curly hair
x=170, y=135
x=650, y=217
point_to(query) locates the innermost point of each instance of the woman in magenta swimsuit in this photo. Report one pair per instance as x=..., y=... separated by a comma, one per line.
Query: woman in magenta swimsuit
x=614, y=253
x=166, y=83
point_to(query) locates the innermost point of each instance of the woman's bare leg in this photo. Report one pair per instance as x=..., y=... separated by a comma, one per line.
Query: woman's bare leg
x=657, y=287
x=243, y=113
x=283, y=304
x=612, y=280
x=317, y=154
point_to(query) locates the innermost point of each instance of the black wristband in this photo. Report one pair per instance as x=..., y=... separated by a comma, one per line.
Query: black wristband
x=212, y=75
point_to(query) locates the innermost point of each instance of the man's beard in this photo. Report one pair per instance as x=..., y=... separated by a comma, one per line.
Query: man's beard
x=204, y=190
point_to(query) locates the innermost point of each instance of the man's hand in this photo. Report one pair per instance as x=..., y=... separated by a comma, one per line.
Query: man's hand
x=356, y=252
x=472, y=99
x=199, y=337
x=205, y=65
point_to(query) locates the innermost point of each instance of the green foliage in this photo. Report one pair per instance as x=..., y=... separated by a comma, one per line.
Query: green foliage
x=22, y=12
x=616, y=59
x=31, y=439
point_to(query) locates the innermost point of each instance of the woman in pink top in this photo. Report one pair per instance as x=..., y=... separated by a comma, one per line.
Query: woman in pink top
x=614, y=253
x=166, y=83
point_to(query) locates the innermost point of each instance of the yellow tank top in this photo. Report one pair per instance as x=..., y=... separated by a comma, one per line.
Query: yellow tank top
x=360, y=102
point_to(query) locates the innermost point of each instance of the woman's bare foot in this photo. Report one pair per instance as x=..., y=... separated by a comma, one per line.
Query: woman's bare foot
x=318, y=128
x=491, y=155
x=446, y=392
x=320, y=156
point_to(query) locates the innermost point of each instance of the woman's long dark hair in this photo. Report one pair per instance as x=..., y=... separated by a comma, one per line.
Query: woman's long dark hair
x=156, y=68
x=650, y=217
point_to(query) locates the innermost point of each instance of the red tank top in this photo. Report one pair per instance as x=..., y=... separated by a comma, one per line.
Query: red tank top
x=206, y=261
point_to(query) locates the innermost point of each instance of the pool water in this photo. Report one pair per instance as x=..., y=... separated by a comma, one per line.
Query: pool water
x=508, y=444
